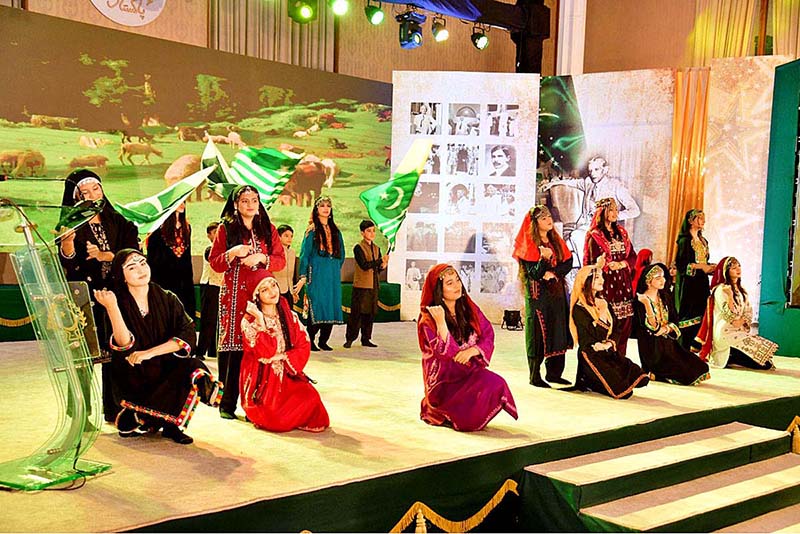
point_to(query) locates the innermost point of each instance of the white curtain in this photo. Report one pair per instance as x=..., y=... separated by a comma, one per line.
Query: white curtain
x=263, y=29
x=786, y=27
x=723, y=28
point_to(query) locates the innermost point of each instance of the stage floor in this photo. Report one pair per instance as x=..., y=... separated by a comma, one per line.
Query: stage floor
x=373, y=398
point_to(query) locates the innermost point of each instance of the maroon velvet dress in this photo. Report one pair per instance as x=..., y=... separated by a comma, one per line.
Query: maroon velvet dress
x=464, y=396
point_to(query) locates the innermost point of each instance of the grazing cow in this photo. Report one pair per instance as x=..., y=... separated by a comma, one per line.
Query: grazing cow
x=216, y=139
x=57, y=123
x=313, y=128
x=182, y=167
x=337, y=125
x=189, y=133
x=235, y=140
x=91, y=160
x=128, y=150
x=384, y=115
x=328, y=118
x=306, y=181
x=300, y=134
x=331, y=171
x=335, y=143
x=30, y=161
x=93, y=142
x=9, y=159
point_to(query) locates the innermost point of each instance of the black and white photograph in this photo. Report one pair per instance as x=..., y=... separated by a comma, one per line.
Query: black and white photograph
x=501, y=160
x=498, y=200
x=434, y=163
x=426, y=198
x=497, y=239
x=466, y=271
x=460, y=198
x=460, y=237
x=416, y=270
x=496, y=277
x=426, y=118
x=422, y=237
x=464, y=119
x=503, y=120
x=462, y=159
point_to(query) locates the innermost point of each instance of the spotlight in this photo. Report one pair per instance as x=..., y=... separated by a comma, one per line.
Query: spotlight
x=339, y=7
x=410, y=28
x=302, y=11
x=439, y=29
x=479, y=38
x=374, y=13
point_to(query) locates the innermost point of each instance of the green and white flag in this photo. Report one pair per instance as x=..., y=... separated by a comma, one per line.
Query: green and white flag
x=387, y=203
x=266, y=169
x=150, y=213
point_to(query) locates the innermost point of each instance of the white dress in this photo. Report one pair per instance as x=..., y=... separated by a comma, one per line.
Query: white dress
x=726, y=311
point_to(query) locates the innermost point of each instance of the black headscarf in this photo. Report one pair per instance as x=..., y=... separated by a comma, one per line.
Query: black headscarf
x=262, y=226
x=686, y=225
x=117, y=276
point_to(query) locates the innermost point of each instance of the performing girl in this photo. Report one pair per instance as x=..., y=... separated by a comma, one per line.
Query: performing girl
x=246, y=243
x=157, y=382
x=609, y=239
x=544, y=261
x=321, y=259
x=86, y=255
x=691, y=282
x=601, y=368
x=169, y=254
x=457, y=342
x=659, y=350
x=276, y=393
x=724, y=334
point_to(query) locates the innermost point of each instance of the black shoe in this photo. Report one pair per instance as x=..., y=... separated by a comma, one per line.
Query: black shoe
x=347, y=344
x=314, y=348
x=226, y=415
x=324, y=346
x=559, y=380
x=368, y=343
x=540, y=384
x=174, y=433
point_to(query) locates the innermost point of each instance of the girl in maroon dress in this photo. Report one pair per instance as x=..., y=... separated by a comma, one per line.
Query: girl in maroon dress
x=276, y=393
x=246, y=243
x=609, y=239
x=457, y=343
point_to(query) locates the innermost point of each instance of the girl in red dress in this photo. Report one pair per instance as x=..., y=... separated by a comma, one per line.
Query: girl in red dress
x=276, y=393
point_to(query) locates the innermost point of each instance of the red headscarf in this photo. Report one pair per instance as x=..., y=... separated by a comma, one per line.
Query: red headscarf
x=252, y=283
x=426, y=300
x=643, y=259
x=596, y=232
x=525, y=247
x=706, y=333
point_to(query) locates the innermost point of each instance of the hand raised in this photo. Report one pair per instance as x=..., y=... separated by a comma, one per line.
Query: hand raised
x=105, y=298
x=437, y=312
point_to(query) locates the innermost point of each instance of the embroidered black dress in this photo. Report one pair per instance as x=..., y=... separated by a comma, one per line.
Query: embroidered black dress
x=691, y=286
x=606, y=371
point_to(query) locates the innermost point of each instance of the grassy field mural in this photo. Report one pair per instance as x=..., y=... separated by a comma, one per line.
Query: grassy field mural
x=103, y=103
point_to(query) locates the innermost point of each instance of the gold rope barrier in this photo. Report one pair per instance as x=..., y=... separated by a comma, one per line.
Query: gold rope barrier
x=15, y=323
x=420, y=511
x=794, y=430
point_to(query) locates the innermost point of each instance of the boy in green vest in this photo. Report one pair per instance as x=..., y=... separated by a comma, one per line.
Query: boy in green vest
x=364, y=301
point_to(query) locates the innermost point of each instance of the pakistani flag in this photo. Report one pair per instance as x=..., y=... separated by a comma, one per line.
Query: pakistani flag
x=150, y=213
x=387, y=203
x=266, y=169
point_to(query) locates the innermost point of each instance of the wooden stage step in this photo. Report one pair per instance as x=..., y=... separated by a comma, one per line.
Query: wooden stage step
x=603, y=476
x=783, y=520
x=707, y=503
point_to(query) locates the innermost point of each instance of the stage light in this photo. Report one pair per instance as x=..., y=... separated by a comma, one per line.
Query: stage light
x=410, y=28
x=439, y=29
x=479, y=38
x=339, y=7
x=374, y=13
x=302, y=11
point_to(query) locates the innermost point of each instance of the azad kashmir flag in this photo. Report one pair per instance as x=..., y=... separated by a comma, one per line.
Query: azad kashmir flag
x=388, y=203
x=150, y=213
x=266, y=169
